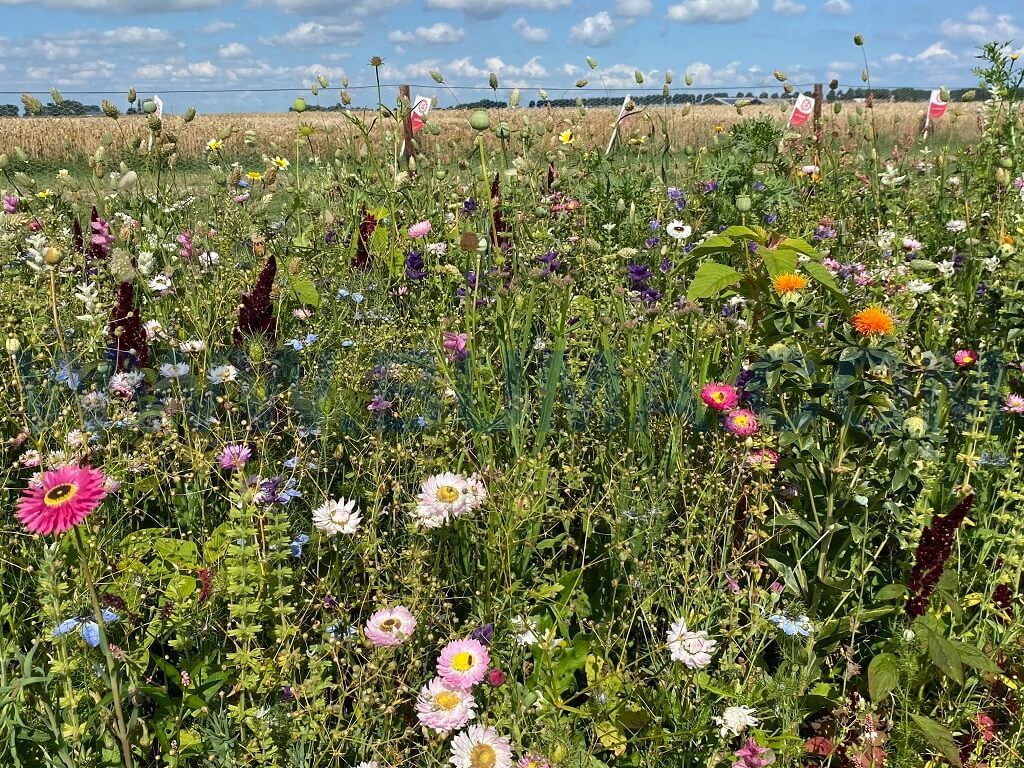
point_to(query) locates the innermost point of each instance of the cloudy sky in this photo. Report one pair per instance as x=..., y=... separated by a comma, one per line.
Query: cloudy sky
x=167, y=45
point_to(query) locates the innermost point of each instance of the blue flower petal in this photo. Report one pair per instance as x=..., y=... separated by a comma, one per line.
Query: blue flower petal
x=68, y=625
x=91, y=633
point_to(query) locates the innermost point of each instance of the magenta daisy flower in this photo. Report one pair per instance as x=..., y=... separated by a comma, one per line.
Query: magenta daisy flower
x=61, y=499
x=1014, y=404
x=463, y=663
x=234, y=456
x=720, y=397
x=741, y=422
x=390, y=626
x=965, y=358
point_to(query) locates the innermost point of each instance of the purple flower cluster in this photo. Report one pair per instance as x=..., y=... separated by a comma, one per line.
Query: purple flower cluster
x=414, y=266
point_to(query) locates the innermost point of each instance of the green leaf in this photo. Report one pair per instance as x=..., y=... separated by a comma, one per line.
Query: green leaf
x=715, y=244
x=799, y=245
x=823, y=276
x=939, y=737
x=890, y=592
x=973, y=657
x=711, y=279
x=611, y=737
x=304, y=291
x=883, y=676
x=945, y=656
x=779, y=262
x=745, y=232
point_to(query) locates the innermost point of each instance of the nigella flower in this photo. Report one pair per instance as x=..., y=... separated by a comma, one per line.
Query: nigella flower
x=551, y=262
x=299, y=344
x=759, y=187
x=90, y=629
x=652, y=242
x=933, y=550
x=793, y=627
x=414, y=267
x=665, y=267
x=378, y=403
x=709, y=186
x=483, y=633
x=298, y=543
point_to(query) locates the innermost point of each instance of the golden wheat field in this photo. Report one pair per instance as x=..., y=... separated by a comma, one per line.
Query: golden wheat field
x=70, y=138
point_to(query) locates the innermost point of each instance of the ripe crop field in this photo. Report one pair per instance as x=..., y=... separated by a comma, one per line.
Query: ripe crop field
x=702, y=451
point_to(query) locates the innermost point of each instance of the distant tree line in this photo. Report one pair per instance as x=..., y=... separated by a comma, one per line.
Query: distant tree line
x=67, y=108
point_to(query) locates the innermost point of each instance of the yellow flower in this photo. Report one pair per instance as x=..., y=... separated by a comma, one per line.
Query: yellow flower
x=44, y=194
x=281, y=163
x=567, y=137
x=789, y=282
x=873, y=321
x=254, y=176
x=214, y=145
x=719, y=128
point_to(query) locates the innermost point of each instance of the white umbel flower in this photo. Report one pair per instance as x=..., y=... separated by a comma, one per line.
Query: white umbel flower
x=694, y=649
x=335, y=517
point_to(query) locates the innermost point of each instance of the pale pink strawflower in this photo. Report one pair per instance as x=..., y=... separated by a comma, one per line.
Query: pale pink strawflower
x=390, y=626
x=1014, y=404
x=234, y=456
x=741, y=422
x=444, y=707
x=763, y=458
x=463, y=663
x=720, y=397
x=442, y=497
x=61, y=499
x=420, y=229
x=533, y=760
x=694, y=649
x=479, y=747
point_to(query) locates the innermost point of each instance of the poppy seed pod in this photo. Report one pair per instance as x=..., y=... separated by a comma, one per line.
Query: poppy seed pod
x=479, y=120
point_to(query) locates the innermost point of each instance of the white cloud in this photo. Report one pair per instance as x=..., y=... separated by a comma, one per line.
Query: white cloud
x=351, y=8
x=935, y=51
x=436, y=34
x=788, y=7
x=138, y=36
x=838, y=7
x=530, y=34
x=713, y=11
x=488, y=9
x=217, y=26
x=314, y=33
x=981, y=26
x=161, y=73
x=596, y=30
x=633, y=7
x=234, y=51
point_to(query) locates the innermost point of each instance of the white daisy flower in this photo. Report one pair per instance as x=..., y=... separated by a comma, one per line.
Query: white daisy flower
x=481, y=747
x=735, y=720
x=222, y=374
x=335, y=517
x=678, y=230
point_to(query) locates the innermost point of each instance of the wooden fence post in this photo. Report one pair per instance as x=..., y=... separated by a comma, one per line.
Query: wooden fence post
x=407, y=150
x=818, y=99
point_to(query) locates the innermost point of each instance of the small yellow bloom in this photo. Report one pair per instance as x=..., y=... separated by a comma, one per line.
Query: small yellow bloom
x=567, y=137
x=719, y=128
x=281, y=163
x=254, y=176
x=214, y=145
x=1014, y=57
x=46, y=193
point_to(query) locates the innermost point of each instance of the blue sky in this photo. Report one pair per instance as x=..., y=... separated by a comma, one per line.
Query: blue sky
x=164, y=45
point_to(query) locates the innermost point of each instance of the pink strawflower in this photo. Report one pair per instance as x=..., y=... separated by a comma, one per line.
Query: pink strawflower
x=533, y=760
x=420, y=229
x=390, y=626
x=741, y=422
x=61, y=499
x=720, y=397
x=463, y=663
x=234, y=456
x=965, y=358
x=11, y=203
x=444, y=707
x=764, y=458
x=753, y=756
x=1014, y=404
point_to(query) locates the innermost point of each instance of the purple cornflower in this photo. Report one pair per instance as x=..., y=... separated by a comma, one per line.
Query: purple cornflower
x=11, y=203
x=650, y=295
x=709, y=186
x=484, y=633
x=823, y=232
x=771, y=218
x=652, y=242
x=758, y=186
x=551, y=262
x=639, y=274
x=665, y=266
x=414, y=268
x=655, y=225
x=469, y=206
x=378, y=403
x=234, y=456
x=676, y=196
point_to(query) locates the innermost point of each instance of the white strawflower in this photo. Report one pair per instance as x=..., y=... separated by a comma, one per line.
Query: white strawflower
x=222, y=374
x=694, y=649
x=334, y=517
x=441, y=498
x=735, y=720
x=476, y=492
x=481, y=747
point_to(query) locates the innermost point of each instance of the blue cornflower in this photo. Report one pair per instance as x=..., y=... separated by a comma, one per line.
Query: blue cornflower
x=90, y=630
x=358, y=298
x=298, y=543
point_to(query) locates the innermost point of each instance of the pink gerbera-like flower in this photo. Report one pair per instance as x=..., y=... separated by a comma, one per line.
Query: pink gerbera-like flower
x=61, y=499
x=390, y=626
x=234, y=456
x=420, y=229
x=1014, y=404
x=444, y=707
x=463, y=663
x=965, y=358
x=741, y=422
x=720, y=397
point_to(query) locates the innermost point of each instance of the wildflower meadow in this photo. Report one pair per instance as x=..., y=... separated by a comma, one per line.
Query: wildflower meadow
x=511, y=448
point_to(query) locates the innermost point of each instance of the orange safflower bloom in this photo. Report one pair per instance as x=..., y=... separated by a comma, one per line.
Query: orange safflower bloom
x=873, y=321
x=789, y=281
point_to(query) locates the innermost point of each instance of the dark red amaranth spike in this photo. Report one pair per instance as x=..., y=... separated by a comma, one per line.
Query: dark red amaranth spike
x=933, y=550
x=256, y=314
x=77, y=238
x=499, y=228
x=551, y=177
x=362, y=258
x=128, y=337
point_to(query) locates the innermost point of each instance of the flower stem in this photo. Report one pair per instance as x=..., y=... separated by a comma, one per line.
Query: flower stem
x=115, y=685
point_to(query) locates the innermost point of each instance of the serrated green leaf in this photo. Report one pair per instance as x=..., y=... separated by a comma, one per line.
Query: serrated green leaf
x=883, y=676
x=711, y=279
x=779, y=262
x=945, y=656
x=973, y=657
